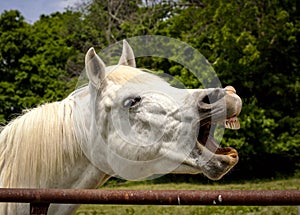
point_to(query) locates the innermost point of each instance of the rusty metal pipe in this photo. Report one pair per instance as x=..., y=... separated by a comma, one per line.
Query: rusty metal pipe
x=152, y=197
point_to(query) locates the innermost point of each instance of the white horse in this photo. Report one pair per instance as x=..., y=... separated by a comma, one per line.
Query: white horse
x=126, y=122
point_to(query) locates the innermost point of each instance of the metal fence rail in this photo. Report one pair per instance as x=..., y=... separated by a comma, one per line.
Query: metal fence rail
x=40, y=199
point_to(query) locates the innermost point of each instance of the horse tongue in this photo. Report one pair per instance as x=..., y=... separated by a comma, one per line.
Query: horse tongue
x=211, y=144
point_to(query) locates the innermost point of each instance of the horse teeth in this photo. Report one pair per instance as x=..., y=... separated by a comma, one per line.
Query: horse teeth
x=226, y=124
x=232, y=123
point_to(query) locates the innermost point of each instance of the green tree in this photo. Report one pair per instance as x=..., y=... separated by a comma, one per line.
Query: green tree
x=33, y=61
x=14, y=43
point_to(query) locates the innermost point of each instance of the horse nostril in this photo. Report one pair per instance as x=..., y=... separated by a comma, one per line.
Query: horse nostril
x=213, y=96
x=206, y=100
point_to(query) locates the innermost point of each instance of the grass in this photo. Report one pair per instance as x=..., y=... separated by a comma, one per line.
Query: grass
x=283, y=184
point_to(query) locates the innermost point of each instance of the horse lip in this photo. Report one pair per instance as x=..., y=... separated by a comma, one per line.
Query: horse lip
x=217, y=164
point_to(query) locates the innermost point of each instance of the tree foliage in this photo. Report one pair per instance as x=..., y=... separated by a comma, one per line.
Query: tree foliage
x=33, y=61
x=252, y=45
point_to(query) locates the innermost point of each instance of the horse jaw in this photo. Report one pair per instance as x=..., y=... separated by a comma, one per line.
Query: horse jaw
x=212, y=165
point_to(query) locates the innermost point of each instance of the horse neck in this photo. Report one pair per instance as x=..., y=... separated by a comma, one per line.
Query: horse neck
x=90, y=125
x=84, y=128
x=83, y=173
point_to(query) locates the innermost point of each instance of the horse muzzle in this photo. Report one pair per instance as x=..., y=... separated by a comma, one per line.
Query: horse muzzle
x=218, y=106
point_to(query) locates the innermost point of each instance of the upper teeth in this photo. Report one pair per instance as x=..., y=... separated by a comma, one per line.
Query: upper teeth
x=232, y=123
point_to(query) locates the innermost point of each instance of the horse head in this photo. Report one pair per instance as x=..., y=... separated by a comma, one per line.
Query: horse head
x=138, y=125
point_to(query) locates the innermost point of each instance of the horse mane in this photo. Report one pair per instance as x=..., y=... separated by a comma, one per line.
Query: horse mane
x=35, y=147
x=124, y=74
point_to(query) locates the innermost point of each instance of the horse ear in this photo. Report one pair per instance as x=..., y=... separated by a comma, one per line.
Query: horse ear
x=95, y=68
x=127, y=57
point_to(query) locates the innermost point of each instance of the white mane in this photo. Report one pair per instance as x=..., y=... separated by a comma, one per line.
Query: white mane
x=44, y=134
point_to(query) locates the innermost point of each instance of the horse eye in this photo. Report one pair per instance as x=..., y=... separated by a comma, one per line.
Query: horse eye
x=131, y=102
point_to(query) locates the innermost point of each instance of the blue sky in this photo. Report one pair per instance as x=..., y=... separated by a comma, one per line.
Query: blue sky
x=32, y=9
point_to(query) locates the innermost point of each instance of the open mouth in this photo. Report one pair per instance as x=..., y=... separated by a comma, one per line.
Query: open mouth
x=207, y=130
x=215, y=161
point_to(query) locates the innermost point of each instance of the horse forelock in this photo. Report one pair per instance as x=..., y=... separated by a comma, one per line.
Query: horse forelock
x=124, y=74
x=35, y=147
